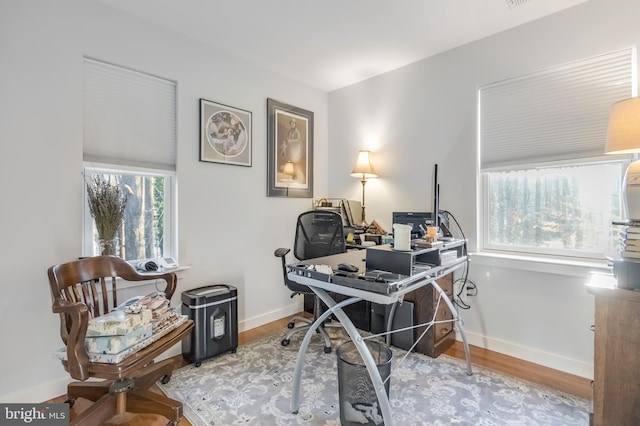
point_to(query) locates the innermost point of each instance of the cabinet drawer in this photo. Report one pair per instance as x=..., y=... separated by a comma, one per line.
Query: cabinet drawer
x=446, y=284
x=442, y=329
x=444, y=313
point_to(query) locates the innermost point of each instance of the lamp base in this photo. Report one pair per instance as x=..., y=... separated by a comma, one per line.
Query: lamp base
x=364, y=223
x=631, y=191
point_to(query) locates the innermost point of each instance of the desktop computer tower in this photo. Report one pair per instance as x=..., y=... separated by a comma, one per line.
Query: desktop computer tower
x=403, y=317
x=214, y=312
x=358, y=313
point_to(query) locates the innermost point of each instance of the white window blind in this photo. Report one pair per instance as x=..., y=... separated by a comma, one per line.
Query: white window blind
x=556, y=114
x=129, y=117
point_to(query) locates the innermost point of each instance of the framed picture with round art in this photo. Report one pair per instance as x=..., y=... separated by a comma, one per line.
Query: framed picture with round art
x=225, y=134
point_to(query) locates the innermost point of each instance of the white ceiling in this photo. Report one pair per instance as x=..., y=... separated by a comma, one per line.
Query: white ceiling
x=329, y=44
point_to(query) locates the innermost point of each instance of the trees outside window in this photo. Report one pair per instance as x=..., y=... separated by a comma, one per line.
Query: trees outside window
x=146, y=229
x=564, y=210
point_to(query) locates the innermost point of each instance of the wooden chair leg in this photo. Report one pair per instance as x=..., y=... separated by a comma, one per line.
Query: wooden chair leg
x=98, y=413
x=144, y=401
x=92, y=391
x=150, y=374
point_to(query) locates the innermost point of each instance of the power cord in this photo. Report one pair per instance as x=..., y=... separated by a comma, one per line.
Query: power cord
x=464, y=282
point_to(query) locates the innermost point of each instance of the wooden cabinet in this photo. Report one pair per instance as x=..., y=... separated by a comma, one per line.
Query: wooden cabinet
x=438, y=338
x=616, y=384
x=441, y=336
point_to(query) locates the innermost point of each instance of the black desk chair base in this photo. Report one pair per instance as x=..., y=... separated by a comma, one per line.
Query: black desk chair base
x=307, y=324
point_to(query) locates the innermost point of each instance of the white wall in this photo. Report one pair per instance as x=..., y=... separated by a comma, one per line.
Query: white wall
x=425, y=114
x=228, y=227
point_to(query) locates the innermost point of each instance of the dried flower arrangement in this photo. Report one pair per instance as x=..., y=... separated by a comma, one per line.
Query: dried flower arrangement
x=106, y=204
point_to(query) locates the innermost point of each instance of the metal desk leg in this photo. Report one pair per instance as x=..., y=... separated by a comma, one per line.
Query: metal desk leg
x=457, y=319
x=297, y=372
x=369, y=362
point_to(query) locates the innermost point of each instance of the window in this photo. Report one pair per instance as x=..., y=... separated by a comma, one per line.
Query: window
x=129, y=138
x=147, y=229
x=547, y=187
x=559, y=210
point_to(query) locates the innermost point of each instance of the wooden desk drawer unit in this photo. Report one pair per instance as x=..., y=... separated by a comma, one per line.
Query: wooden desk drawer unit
x=440, y=336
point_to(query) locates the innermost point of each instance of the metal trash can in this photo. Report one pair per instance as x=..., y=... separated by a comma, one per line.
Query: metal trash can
x=357, y=396
x=214, y=312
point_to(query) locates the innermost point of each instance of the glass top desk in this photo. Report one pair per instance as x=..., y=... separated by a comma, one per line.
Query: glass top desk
x=375, y=285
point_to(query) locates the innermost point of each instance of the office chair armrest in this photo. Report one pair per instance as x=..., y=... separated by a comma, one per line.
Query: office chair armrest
x=74, y=320
x=281, y=252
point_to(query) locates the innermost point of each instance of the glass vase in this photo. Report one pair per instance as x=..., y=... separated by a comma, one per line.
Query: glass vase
x=108, y=246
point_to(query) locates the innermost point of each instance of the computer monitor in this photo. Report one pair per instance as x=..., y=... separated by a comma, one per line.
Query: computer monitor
x=414, y=219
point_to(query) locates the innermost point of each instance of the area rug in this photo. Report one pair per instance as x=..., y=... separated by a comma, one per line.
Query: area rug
x=253, y=387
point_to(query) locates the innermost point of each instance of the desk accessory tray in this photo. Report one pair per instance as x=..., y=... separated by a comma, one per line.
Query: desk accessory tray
x=376, y=281
x=417, y=259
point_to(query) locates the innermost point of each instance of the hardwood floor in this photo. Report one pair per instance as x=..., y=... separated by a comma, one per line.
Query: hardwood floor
x=516, y=367
x=491, y=360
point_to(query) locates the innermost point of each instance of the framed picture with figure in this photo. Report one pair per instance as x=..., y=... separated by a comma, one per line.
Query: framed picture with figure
x=225, y=134
x=289, y=151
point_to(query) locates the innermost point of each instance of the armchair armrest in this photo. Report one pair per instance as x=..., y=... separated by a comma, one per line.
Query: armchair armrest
x=74, y=320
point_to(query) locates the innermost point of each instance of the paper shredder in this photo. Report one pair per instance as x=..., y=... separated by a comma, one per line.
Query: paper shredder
x=214, y=312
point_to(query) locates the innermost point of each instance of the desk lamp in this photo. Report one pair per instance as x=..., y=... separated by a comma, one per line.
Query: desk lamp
x=363, y=170
x=623, y=137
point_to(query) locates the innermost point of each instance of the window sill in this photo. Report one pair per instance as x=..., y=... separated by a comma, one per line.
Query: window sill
x=132, y=284
x=550, y=265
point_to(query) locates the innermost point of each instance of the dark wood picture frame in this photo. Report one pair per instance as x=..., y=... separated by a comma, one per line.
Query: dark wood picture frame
x=289, y=151
x=225, y=134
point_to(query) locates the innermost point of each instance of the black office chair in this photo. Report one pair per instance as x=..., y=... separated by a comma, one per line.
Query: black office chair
x=318, y=233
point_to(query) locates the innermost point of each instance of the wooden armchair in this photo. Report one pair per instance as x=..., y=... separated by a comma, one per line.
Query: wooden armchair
x=85, y=289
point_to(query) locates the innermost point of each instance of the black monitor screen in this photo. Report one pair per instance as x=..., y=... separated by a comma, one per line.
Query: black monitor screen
x=415, y=219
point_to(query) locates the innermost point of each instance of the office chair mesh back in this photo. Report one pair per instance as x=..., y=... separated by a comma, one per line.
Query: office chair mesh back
x=318, y=233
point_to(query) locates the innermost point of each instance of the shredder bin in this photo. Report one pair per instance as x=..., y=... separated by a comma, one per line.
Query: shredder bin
x=356, y=394
x=214, y=312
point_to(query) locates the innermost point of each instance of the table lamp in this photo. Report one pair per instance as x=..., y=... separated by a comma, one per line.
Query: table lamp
x=289, y=170
x=364, y=170
x=623, y=137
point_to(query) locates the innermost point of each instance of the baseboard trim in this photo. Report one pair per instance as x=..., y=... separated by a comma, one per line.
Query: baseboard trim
x=37, y=394
x=262, y=319
x=547, y=359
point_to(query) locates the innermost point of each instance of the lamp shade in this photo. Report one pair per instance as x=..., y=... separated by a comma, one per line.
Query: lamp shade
x=623, y=133
x=364, y=166
x=623, y=137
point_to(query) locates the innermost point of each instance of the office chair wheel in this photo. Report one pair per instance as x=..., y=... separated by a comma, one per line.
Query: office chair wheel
x=197, y=364
x=291, y=324
x=165, y=379
x=70, y=401
x=285, y=342
x=327, y=349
